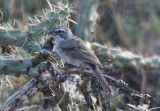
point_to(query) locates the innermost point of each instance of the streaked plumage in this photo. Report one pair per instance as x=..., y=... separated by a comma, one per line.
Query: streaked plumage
x=74, y=51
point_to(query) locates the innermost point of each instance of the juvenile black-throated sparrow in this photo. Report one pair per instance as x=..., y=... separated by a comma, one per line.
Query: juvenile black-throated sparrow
x=74, y=51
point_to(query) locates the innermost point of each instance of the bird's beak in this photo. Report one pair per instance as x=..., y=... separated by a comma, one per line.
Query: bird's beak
x=51, y=33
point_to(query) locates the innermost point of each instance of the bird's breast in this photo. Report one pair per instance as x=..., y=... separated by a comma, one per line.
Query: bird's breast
x=67, y=57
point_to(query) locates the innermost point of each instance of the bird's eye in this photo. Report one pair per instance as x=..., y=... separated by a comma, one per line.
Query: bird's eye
x=59, y=32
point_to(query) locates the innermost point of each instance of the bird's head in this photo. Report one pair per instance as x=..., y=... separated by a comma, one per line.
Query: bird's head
x=61, y=32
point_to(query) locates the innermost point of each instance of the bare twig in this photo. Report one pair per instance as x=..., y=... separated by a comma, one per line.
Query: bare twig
x=85, y=90
x=35, y=84
x=44, y=53
x=133, y=95
x=49, y=73
x=30, y=108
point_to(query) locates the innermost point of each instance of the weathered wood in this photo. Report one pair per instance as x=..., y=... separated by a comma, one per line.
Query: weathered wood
x=30, y=108
x=49, y=73
x=123, y=87
x=35, y=84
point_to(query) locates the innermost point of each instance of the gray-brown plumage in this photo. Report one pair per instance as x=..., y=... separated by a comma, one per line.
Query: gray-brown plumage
x=74, y=51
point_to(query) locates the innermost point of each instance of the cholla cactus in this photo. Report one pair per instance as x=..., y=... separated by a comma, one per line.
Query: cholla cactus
x=34, y=34
x=32, y=37
x=31, y=40
x=128, y=60
x=87, y=19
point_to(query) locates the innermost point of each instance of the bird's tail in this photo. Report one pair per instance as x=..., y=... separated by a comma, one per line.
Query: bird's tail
x=100, y=78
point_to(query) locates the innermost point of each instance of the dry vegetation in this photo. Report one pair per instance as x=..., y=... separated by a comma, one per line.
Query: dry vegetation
x=129, y=34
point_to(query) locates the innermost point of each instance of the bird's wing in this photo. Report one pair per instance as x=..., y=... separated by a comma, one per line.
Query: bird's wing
x=77, y=49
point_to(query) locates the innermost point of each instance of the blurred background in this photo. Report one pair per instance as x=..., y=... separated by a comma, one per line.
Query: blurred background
x=133, y=25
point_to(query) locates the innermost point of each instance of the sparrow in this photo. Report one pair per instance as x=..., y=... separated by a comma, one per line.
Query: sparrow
x=74, y=51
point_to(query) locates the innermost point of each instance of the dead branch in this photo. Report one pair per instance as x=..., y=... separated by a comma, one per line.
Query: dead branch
x=44, y=53
x=133, y=95
x=30, y=108
x=48, y=73
x=37, y=83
